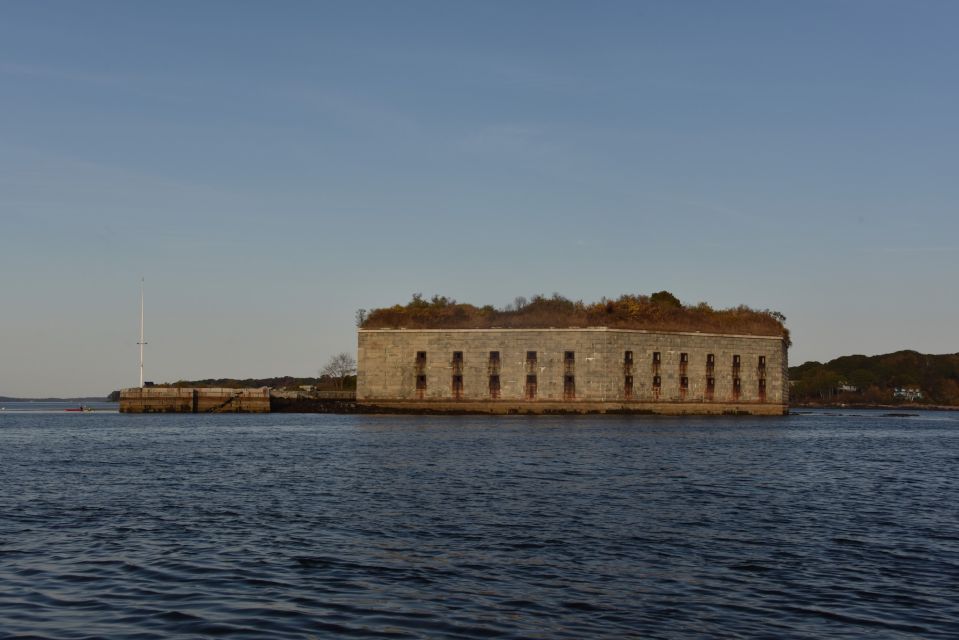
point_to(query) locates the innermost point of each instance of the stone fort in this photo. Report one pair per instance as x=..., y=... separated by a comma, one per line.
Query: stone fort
x=575, y=370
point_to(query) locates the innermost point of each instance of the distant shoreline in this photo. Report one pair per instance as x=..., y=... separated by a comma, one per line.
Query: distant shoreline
x=883, y=407
x=79, y=399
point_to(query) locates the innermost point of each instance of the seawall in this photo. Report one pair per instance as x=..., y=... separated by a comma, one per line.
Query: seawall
x=190, y=400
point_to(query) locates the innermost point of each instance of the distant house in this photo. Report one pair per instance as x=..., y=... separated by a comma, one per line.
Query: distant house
x=907, y=393
x=845, y=386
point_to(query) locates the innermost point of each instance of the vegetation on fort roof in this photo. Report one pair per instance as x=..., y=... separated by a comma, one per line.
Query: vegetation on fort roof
x=875, y=379
x=661, y=311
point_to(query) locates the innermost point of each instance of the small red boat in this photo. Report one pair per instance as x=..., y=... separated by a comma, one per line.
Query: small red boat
x=79, y=409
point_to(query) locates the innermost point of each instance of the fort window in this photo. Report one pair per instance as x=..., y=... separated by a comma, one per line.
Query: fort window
x=530, y=361
x=737, y=388
x=457, y=361
x=710, y=388
x=684, y=357
x=420, y=386
x=656, y=357
x=494, y=386
x=628, y=388
x=420, y=360
x=530, y=386
x=710, y=363
x=762, y=389
x=683, y=382
x=494, y=363
x=569, y=387
x=569, y=360
x=457, y=386
x=735, y=365
x=762, y=365
x=657, y=382
x=683, y=363
x=628, y=357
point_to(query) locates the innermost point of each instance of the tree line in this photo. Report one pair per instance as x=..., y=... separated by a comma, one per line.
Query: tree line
x=860, y=379
x=339, y=373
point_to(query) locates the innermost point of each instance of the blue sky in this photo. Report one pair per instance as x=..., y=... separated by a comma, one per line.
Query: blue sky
x=269, y=168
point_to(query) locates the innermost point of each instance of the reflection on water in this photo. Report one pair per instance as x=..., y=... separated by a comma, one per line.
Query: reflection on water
x=297, y=526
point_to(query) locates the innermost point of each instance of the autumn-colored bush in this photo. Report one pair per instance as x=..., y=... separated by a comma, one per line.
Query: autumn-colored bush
x=659, y=312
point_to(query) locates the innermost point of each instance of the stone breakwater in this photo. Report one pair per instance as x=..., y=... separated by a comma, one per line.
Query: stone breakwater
x=191, y=400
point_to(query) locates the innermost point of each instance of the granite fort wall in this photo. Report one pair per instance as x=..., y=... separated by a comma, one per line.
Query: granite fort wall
x=575, y=370
x=212, y=400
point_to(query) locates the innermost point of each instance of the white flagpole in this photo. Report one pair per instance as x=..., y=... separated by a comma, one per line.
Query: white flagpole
x=141, y=343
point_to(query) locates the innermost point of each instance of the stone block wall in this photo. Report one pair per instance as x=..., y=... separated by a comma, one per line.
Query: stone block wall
x=573, y=368
x=188, y=400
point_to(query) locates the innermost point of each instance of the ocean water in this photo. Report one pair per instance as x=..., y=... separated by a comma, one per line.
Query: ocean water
x=315, y=526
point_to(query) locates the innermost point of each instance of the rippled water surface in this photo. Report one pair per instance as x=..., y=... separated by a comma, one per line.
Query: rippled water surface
x=302, y=526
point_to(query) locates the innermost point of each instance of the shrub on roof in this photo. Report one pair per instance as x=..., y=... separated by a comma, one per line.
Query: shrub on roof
x=662, y=311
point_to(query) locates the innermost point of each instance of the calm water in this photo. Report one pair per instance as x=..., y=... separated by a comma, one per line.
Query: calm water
x=309, y=526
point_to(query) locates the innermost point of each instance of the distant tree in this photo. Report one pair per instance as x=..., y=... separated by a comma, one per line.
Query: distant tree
x=340, y=367
x=862, y=379
x=360, y=317
x=823, y=384
x=666, y=299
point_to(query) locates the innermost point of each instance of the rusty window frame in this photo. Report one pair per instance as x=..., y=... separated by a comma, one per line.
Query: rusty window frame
x=531, y=388
x=569, y=386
